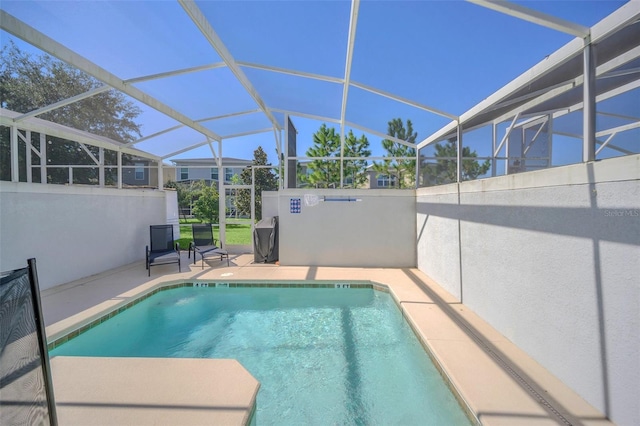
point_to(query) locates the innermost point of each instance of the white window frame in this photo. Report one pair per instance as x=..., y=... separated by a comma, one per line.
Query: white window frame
x=385, y=181
x=228, y=174
x=139, y=168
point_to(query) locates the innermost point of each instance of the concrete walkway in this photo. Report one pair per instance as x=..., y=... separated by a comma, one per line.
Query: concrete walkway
x=495, y=381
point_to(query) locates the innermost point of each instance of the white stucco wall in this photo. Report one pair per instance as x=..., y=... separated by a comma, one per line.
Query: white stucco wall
x=552, y=260
x=378, y=231
x=75, y=231
x=269, y=203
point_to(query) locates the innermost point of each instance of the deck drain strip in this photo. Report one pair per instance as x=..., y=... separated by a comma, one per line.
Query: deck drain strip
x=487, y=348
x=542, y=400
x=529, y=388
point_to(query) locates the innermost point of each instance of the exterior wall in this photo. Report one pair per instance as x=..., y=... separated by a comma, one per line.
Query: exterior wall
x=551, y=259
x=194, y=173
x=378, y=231
x=438, y=237
x=372, y=181
x=75, y=231
x=129, y=175
x=201, y=170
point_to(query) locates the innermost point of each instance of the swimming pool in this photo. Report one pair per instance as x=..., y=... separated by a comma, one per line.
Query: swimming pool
x=322, y=356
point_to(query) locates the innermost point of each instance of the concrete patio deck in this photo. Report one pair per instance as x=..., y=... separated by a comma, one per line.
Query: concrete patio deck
x=496, y=381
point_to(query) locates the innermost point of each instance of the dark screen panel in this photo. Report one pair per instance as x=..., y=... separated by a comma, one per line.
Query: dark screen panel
x=25, y=394
x=292, y=152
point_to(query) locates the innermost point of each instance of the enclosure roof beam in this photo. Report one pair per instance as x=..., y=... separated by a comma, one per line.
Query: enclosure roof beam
x=175, y=72
x=56, y=130
x=603, y=70
x=618, y=129
x=153, y=135
x=540, y=99
x=201, y=120
x=207, y=30
x=63, y=102
x=291, y=72
x=599, y=142
x=337, y=80
x=353, y=24
x=404, y=100
x=309, y=116
x=534, y=16
x=380, y=134
x=602, y=97
x=29, y=34
x=231, y=114
x=625, y=15
x=189, y=148
x=621, y=73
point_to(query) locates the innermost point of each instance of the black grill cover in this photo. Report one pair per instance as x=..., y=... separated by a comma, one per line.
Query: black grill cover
x=265, y=240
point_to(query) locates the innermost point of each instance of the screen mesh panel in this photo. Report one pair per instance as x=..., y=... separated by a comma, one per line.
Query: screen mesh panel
x=292, y=147
x=529, y=147
x=23, y=371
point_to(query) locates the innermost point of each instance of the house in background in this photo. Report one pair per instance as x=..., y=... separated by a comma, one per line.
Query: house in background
x=375, y=179
x=195, y=169
x=139, y=175
x=188, y=170
x=141, y=172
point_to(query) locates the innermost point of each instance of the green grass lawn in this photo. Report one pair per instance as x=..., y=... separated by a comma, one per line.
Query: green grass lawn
x=237, y=233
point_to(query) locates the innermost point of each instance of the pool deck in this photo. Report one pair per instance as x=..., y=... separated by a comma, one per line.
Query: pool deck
x=497, y=382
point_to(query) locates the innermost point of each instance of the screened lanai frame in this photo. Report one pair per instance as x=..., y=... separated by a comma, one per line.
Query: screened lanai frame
x=514, y=104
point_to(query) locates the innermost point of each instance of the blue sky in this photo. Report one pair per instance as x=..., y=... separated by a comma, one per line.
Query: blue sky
x=445, y=54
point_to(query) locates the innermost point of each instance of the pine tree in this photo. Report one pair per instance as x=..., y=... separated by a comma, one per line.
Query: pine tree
x=445, y=170
x=325, y=173
x=355, y=170
x=404, y=170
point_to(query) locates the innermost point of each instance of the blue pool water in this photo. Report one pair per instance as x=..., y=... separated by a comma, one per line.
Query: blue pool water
x=322, y=356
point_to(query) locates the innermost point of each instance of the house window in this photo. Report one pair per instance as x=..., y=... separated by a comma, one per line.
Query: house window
x=214, y=173
x=228, y=174
x=139, y=171
x=184, y=173
x=386, y=181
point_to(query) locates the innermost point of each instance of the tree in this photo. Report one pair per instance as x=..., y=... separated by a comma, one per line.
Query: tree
x=30, y=82
x=404, y=170
x=206, y=207
x=187, y=194
x=326, y=173
x=355, y=170
x=265, y=180
x=326, y=143
x=445, y=170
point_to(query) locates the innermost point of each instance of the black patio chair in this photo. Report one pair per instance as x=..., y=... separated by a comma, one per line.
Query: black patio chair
x=164, y=249
x=204, y=244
